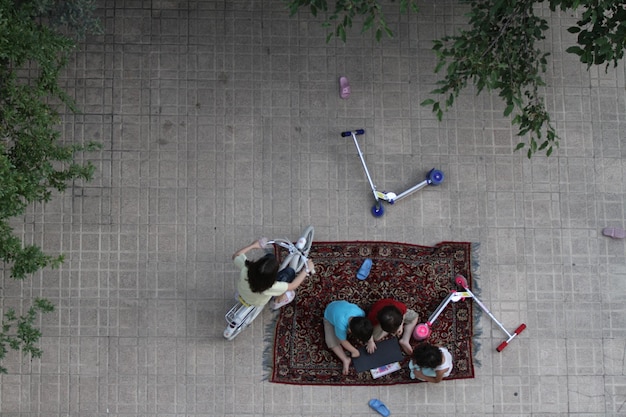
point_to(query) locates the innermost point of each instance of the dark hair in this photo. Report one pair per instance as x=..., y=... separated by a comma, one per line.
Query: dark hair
x=262, y=273
x=427, y=356
x=361, y=328
x=390, y=319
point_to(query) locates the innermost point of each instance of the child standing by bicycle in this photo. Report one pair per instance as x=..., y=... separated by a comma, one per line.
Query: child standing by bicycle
x=260, y=280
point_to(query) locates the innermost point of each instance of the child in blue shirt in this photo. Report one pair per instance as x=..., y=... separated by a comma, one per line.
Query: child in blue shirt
x=340, y=319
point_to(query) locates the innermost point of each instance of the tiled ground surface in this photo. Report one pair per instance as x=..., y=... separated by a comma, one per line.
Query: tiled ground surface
x=220, y=122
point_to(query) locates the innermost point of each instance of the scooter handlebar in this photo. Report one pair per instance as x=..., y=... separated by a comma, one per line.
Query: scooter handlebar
x=349, y=133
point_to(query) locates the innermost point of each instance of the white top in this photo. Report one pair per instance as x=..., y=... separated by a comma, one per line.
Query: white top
x=447, y=361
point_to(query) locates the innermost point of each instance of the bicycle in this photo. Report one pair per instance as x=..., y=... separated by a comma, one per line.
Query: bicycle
x=241, y=314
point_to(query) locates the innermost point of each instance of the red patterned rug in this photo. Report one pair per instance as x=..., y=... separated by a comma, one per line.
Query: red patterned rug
x=418, y=276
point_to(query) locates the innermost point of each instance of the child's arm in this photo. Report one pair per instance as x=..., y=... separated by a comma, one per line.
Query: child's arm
x=348, y=346
x=371, y=345
x=253, y=245
x=305, y=272
x=436, y=379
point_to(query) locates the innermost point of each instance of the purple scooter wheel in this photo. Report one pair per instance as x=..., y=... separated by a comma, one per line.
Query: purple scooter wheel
x=435, y=177
x=377, y=209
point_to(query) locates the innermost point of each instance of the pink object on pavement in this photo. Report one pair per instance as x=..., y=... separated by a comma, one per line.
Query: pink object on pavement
x=614, y=232
x=344, y=87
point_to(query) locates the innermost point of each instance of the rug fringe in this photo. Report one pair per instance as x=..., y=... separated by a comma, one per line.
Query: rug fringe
x=475, y=246
x=478, y=312
x=268, y=351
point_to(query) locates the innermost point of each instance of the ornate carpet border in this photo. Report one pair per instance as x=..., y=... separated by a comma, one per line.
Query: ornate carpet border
x=270, y=336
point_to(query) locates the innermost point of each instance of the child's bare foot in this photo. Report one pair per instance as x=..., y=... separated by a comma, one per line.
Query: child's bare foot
x=406, y=347
x=346, y=365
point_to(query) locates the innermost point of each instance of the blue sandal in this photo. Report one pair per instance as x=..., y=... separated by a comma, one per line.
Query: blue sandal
x=364, y=270
x=379, y=407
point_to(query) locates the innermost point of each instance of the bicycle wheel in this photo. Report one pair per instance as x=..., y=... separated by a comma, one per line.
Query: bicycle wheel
x=291, y=252
x=253, y=315
x=298, y=262
x=241, y=319
x=308, y=234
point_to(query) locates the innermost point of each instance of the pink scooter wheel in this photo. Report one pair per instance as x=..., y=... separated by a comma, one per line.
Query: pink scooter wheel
x=461, y=281
x=421, y=332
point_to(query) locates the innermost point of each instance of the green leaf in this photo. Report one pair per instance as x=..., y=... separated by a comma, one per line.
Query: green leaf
x=341, y=32
x=508, y=109
x=450, y=100
x=577, y=50
x=369, y=22
x=439, y=65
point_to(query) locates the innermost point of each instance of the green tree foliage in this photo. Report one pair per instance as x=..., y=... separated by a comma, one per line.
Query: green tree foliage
x=498, y=52
x=33, y=161
x=601, y=30
x=346, y=10
x=20, y=332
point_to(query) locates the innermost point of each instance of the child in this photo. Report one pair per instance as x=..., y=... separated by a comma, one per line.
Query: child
x=341, y=318
x=393, y=317
x=430, y=363
x=258, y=281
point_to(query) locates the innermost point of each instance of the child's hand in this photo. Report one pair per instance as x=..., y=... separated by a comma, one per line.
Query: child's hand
x=310, y=267
x=400, y=331
x=262, y=242
x=355, y=354
x=371, y=346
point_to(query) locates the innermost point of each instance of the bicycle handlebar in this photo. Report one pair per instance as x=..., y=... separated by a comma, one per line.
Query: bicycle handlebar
x=293, y=250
